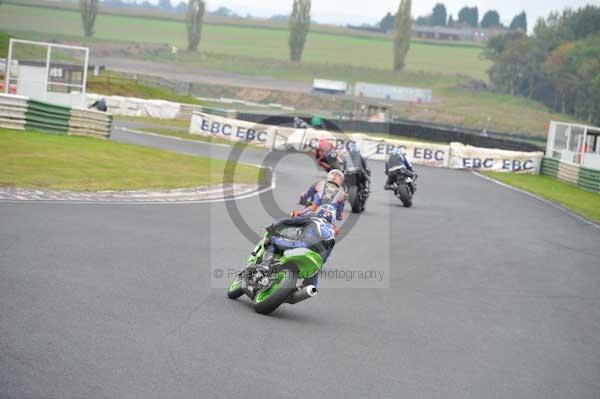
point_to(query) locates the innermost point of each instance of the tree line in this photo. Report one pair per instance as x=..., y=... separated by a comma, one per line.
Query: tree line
x=559, y=64
x=467, y=17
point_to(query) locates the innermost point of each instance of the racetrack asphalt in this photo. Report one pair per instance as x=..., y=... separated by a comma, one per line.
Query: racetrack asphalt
x=492, y=294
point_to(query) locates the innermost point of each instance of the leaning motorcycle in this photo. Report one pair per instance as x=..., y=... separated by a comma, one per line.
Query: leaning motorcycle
x=403, y=184
x=357, y=188
x=271, y=278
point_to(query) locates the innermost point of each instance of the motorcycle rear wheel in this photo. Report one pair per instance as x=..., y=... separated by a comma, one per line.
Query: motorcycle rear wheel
x=268, y=301
x=404, y=194
x=354, y=199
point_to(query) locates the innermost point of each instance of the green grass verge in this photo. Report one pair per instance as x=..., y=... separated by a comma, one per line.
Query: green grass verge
x=112, y=85
x=4, y=39
x=568, y=195
x=40, y=160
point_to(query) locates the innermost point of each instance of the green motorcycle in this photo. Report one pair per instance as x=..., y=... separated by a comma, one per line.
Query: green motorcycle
x=290, y=250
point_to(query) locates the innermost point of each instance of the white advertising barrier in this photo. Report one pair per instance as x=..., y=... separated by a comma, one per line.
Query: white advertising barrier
x=138, y=107
x=455, y=155
x=372, y=147
x=267, y=136
x=468, y=157
x=306, y=140
x=418, y=153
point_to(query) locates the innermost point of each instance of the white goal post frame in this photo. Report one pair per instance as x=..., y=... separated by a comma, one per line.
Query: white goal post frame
x=49, y=47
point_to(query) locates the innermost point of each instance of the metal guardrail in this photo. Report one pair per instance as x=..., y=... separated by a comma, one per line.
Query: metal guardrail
x=22, y=113
x=417, y=130
x=585, y=178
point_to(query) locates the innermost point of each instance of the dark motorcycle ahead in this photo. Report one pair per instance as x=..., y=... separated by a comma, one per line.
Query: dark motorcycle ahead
x=357, y=184
x=404, y=185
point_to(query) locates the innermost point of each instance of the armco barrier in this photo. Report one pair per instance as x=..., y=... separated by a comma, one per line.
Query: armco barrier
x=22, y=113
x=568, y=172
x=589, y=179
x=90, y=123
x=550, y=167
x=585, y=178
x=47, y=117
x=12, y=111
x=418, y=130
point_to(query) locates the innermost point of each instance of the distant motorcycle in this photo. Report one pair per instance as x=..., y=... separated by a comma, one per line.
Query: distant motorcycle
x=404, y=185
x=357, y=185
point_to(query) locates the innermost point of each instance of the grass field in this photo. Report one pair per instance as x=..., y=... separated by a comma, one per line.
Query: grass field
x=40, y=160
x=569, y=195
x=239, y=40
x=4, y=38
x=262, y=51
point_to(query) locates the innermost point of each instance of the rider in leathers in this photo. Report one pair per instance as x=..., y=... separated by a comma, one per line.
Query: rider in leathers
x=329, y=191
x=397, y=158
x=354, y=159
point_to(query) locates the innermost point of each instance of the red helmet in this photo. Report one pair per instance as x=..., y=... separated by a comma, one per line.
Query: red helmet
x=324, y=145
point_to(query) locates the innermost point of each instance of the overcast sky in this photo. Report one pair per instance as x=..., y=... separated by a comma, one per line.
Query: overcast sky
x=371, y=11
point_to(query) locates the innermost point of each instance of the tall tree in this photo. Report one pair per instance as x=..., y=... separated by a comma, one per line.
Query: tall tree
x=519, y=22
x=491, y=19
x=469, y=16
x=439, y=15
x=403, y=31
x=193, y=21
x=299, y=25
x=89, y=10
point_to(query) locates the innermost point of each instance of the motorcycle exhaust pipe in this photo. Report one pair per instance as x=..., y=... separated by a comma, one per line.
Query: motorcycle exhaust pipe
x=302, y=294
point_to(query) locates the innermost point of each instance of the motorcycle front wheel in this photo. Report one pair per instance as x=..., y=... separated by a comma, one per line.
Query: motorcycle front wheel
x=235, y=288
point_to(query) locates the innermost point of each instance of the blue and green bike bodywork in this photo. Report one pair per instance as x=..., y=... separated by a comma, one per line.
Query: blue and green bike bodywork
x=269, y=284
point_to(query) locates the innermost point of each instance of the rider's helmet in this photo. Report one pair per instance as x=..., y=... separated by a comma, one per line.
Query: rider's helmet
x=400, y=151
x=352, y=149
x=335, y=176
x=324, y=145
x=327, y=212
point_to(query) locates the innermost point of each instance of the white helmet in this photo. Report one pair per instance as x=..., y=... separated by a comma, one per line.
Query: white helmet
x=335, y=173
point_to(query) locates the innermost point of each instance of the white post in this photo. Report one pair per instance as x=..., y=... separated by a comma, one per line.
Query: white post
x=7, y=72
x=85, y=72
x=583, y=145
x=551, y=139
x=48, y=54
